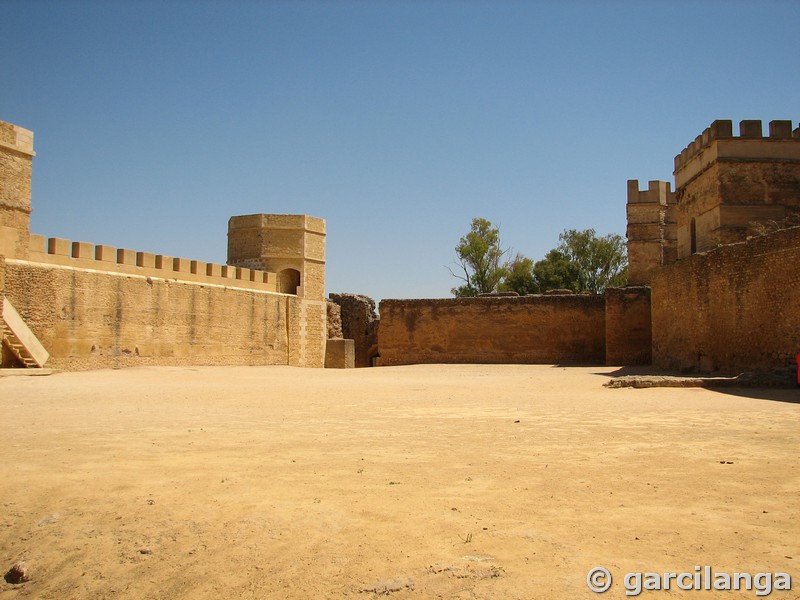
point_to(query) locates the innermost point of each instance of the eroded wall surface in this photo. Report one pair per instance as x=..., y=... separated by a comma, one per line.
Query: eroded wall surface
x=736, y=308
x=359, y=323
x=566, y=329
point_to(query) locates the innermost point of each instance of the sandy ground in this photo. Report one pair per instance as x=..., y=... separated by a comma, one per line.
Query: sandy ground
x=415, y=482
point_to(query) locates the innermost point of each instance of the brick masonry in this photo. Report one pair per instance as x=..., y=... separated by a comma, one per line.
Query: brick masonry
x=732, y=309
x=566, y=329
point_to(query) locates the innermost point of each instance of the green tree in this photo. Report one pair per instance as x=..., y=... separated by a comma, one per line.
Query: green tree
x=557, y=272
x=479, y=255
x=584, y=262
x=519, y=276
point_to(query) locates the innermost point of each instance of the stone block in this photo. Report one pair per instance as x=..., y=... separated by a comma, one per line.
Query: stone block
x=145, y=259
x=59, y=247
x=197, y=267
x=105, y=253
x=126, y=257
x=181, y=265
x=82, y=250
x=38, y=243
x=750, y=128
x=340, y=354
x=163, y=262
x=780, y=130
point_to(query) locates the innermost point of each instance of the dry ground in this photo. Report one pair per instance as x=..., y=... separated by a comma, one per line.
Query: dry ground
x=417, y=482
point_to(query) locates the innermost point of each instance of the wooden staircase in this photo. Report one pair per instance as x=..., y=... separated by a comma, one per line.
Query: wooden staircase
x=18, y=338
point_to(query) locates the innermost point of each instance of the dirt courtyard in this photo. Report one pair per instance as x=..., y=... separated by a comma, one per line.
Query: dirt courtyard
x=458, y=481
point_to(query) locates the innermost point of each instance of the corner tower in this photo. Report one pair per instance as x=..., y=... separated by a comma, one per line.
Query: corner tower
x=726, y=183
x=16, y=159
x=292, y=246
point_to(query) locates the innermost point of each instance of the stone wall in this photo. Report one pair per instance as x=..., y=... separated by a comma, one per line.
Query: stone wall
x=360, y=324
x=88, y=318
x=732, y=309
x=334, y=313
x=628, y=333
x=16, y=155
x=528, y=329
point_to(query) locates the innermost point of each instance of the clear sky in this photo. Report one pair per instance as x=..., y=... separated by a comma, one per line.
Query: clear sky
x=397, y=122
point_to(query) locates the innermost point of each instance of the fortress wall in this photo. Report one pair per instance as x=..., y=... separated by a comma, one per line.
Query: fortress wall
x=628, y=333
x=87, y=319
x=57, y=251
x=732, y=309
x=529, y=329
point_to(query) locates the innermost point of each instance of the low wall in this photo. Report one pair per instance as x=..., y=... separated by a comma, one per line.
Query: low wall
x=732, y=309
x=528, y=329
x=88, y=318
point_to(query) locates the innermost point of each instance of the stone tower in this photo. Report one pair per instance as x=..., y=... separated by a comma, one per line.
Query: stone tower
x=724, y=184
x=292, y=246
x=16, y=157
x=652, y=232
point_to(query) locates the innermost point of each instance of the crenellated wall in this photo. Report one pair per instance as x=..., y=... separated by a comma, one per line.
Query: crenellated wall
x=725, y=183
x=66, y=253
x=96, y=306
x=651, y=230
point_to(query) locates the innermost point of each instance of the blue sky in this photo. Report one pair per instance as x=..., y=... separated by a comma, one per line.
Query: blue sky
x=397, y=122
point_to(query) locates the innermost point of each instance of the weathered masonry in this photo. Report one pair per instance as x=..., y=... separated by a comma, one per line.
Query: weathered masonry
x=93, y=306
x=714, y=269
x=722, y=253
x=565, y=329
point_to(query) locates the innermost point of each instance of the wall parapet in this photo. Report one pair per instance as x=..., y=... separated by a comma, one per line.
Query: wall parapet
x=16, y=138
x=782, y=143
x=58, y=251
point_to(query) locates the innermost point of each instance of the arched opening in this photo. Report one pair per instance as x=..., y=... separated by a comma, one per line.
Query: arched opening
x=288, y=281
x=693, y=236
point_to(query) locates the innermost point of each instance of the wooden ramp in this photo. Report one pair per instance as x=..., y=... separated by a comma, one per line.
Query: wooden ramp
x=18, y=337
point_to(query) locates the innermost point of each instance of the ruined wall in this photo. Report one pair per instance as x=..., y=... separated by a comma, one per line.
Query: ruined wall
x=528, y=329
x=360, y=324
x=334, y=313
x=732, y=309
x=628, y=332
x=91, y=319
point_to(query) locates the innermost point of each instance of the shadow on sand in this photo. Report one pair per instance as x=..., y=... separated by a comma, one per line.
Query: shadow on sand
x=781, y=386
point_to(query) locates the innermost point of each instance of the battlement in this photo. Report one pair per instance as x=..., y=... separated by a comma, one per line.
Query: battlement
x=83, y=255
x=658, y=192
x=18, y=139
x=717, y=142
x=651, y=231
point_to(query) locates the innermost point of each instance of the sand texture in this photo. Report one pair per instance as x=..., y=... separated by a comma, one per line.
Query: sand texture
x=459, y=481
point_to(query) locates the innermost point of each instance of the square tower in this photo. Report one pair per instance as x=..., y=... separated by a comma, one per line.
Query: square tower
x=651, y=229
x=16, y=158
x=725, y=183
x=292, y=246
